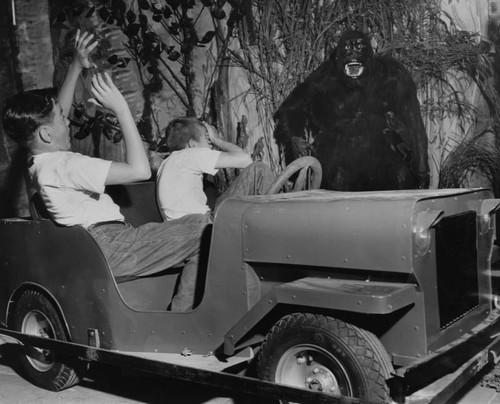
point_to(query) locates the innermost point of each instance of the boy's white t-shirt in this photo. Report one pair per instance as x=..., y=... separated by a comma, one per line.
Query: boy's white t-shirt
x=72, y=187
x=179, y=182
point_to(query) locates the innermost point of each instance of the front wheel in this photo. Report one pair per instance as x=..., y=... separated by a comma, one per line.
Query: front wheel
x=324, y=354
x=35, y=315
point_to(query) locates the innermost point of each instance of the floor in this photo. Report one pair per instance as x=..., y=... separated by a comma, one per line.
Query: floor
x=476, y=394
x=107, y=385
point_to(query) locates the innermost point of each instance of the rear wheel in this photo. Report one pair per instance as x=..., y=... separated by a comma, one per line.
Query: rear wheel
x=35, y=315
x=324, y=354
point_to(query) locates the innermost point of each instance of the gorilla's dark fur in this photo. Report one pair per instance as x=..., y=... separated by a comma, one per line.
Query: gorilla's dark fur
x=364, y=115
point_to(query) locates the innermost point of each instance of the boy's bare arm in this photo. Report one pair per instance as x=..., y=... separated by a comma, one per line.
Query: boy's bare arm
x=232, y=155
x=136, y=166
x=83, y=47
x=233, y=160
x=226, y=146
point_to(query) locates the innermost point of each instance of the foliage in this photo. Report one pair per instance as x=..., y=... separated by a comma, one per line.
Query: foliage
x=101, y=124
x=470, y=160
x=161, y=36
x=148, y=48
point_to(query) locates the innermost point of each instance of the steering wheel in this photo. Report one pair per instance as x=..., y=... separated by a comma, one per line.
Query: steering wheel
x=302, y=165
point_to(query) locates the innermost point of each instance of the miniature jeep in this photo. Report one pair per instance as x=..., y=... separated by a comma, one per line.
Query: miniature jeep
x=370, y=294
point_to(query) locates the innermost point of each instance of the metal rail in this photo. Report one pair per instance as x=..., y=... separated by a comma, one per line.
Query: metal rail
x=438, y=392
x=225, y=381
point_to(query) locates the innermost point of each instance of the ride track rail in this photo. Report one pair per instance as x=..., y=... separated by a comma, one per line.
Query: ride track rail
x=225, y=381
x=438, y=392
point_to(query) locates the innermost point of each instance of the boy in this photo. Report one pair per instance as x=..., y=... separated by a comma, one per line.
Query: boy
x=180, y=176
x=72, y=185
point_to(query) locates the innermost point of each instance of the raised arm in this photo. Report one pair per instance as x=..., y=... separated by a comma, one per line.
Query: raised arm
x=83, y=47
x=232, y=156
x=136, y=166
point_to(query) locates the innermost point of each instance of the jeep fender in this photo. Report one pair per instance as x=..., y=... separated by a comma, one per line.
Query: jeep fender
x=336, y=294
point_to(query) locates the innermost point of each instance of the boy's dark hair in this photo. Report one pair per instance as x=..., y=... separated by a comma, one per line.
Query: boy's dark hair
x=25, y=112
x=181, y=130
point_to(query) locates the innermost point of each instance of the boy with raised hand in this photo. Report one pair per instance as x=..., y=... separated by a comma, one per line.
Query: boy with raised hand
x=72, y=185
x=180, y=176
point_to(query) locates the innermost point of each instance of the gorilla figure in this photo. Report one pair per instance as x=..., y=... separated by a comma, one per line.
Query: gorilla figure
x=364, y=116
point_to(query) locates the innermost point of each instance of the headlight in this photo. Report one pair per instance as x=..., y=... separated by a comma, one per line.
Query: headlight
x=422, y=229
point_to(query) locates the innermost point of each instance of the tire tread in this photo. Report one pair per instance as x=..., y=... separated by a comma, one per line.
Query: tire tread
x=62, y=376
x=363, y=344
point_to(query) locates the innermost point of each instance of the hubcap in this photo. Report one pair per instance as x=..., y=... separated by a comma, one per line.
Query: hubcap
x=313, y=368
x=37, y=323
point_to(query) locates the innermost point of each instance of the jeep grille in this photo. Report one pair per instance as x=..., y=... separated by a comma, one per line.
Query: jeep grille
x=456, y=256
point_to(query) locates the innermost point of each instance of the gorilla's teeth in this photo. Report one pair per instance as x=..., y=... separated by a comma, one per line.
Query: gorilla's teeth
x=353, y=70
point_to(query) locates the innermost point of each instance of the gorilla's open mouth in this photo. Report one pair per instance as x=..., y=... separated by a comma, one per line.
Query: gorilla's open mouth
x=353, y=69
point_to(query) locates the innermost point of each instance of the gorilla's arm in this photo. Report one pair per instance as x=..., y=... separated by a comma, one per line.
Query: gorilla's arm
x=406, y=108
x=292, y=117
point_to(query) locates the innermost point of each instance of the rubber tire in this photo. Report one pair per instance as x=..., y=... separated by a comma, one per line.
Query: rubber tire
x=60, y=373
x=364, y=361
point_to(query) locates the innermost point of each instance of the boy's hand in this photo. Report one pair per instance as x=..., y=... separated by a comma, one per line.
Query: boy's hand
x=212, y=134
x=83, y=49
x=106, y=94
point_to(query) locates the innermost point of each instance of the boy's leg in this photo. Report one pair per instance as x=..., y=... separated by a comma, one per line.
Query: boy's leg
x=154, y=247
x=184, y=298
x=255, y=179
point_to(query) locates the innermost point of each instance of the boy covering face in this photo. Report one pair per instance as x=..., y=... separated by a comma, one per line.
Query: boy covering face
x=196, y=150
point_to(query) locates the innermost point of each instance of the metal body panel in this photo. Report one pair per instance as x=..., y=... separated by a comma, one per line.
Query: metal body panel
x=339, y=295
x=346, y=229
x=42, y=256
x=347, y=295
x=329, y=230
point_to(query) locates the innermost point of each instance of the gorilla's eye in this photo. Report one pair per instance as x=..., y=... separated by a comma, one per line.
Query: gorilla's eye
x=360, y=44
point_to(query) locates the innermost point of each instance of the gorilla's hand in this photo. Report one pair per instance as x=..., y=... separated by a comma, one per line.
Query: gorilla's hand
x=423, y=180
x=300, y=146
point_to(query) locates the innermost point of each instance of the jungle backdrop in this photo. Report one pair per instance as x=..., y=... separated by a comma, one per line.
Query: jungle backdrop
x=233, y=62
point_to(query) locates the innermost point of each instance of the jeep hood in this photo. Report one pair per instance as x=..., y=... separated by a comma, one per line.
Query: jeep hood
x=363, y=230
